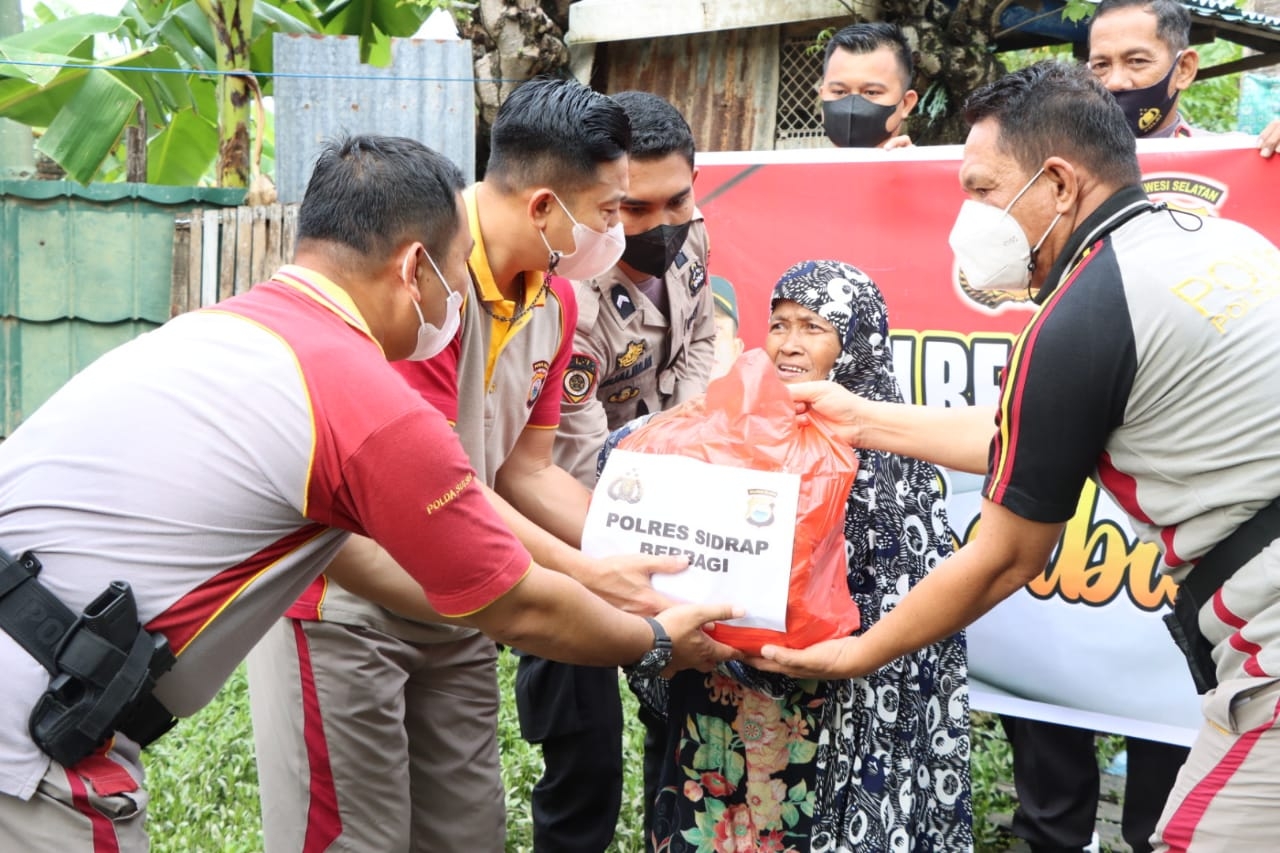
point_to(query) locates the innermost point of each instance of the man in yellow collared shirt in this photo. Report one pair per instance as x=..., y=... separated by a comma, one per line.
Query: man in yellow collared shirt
x=408, y=709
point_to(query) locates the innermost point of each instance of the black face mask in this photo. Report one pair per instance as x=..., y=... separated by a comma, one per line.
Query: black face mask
x=1145, y=108
x=855, y=122
x=653, y=251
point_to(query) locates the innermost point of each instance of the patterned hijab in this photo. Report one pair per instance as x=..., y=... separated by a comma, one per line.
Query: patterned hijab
x=895, y=500
x=849, y=300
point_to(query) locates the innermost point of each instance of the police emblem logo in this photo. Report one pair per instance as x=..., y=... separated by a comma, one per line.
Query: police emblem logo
x=540, y=371
x=697, y=277
x=1185, y=191
x=622, y=301
x=760, y=507
x=628, y=393
x=994, y=301
x=627, y=488
x=580, y=378
x=631, y=354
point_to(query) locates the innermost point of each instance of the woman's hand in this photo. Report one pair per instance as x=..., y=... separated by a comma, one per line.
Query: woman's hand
x=829, y=661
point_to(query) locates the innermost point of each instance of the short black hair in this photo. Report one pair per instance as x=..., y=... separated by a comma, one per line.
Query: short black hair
x=1059, y=109
x=657, y=128
x=870, y=36
x=1173, y=21
x=373, y=193
x=555, y=132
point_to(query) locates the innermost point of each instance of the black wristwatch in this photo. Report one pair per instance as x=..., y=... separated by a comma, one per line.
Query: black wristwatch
x=657, y=658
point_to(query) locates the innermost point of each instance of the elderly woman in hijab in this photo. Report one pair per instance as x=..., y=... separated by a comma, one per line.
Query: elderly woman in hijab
x=759, y=761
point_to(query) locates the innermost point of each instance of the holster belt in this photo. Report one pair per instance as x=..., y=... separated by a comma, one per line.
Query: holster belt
x=1209, y=574
x=102, y=664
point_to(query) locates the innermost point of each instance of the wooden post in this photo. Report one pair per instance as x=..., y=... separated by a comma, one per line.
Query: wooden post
x=289, y=238
x=244, y=249
x=135, y=143
x=195, y=260
x=182, y=231
x=258, y=270
x=227, y=258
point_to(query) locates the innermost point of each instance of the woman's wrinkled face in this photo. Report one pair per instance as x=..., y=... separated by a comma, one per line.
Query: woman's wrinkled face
x=802, y=345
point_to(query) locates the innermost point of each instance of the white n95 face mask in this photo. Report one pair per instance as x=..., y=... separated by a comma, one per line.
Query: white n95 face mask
x=990, y=247
x=594, y=252
x=433, y=339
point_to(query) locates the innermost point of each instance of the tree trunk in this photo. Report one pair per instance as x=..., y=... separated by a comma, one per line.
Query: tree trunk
x=512, y=40
x=135, y=145
x=954, y=56
x=231, y=20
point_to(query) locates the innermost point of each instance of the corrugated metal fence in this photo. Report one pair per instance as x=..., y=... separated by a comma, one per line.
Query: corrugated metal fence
x=82, y=270
x=218, y=253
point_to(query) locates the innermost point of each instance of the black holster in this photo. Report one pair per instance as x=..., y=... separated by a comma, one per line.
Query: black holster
x=1209, y=574
x=1184, y=626
x=103, y=665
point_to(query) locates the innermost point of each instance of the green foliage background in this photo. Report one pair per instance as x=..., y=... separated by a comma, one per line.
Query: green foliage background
x=204, y=784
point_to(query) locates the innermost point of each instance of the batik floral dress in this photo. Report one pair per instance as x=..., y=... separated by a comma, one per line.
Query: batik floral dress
x=745, y=768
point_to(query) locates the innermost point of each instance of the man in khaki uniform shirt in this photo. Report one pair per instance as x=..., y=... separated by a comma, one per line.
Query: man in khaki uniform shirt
x=644, y=341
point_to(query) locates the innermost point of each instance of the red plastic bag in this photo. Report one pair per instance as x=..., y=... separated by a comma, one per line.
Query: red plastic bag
x=749, y=421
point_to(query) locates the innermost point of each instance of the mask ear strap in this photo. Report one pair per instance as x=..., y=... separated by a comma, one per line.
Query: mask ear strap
x=404, y=266
x=1023, y=191
x=565, y=209
x=1035, y=250
x=553, y=256
x=436, y=269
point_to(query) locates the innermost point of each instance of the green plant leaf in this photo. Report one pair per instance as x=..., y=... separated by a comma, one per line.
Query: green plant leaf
x=84, y=131
x=204, y=96
x=172, y=30
x=197, y=27
x=375, y=22
x=162, y=93
x=64, y=35
x=40, y=75
x=34, y=105
x=283, y=18
x=38, y=106
x=184, y=151
x=1077, y=10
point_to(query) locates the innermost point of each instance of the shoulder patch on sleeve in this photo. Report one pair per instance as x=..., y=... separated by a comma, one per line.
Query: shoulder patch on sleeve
x=580, y=378
x=539, y=369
